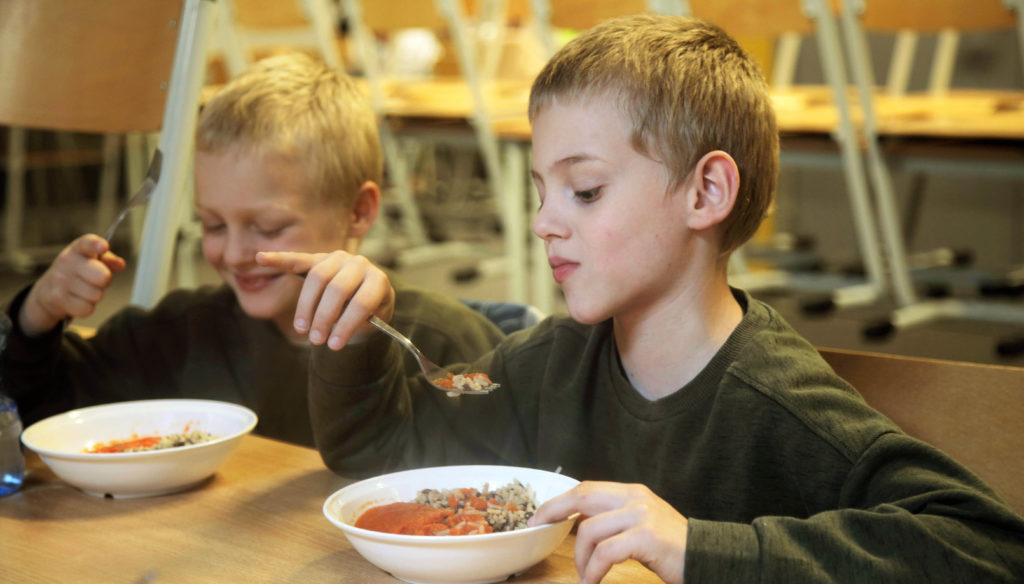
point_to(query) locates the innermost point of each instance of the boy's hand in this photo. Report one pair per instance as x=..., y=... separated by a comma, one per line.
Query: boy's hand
x=72, y=286
x=340, y=293
x=620, y=522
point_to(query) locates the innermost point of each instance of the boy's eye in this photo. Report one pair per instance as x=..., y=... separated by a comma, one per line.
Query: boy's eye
x=212, y=227
x=589, y=195
x=269, y=231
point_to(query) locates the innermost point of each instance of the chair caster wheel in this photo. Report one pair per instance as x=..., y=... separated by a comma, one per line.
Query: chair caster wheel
x=879, y=330
x=963, y=258
x=1002, y=288
x=855, y=270
x=1012, y=347
x=818, y=307
x=804, y=243
x=466, y=274
x=938, y=291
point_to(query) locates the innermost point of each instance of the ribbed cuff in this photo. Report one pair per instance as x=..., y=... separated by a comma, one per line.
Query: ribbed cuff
x=721, y=552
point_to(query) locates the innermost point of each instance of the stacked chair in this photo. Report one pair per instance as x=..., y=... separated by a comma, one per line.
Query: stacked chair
x=972, y=118
x=827, y=115
x=112, y=67
x=456, y=110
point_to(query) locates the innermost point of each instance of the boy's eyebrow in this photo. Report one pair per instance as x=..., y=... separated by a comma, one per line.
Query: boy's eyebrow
x=568, y=161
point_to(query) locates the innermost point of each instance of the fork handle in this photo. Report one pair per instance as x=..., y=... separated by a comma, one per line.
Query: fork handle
x=391, y=332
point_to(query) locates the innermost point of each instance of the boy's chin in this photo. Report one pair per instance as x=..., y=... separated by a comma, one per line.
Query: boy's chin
x=260, y=308
x=586, y=314
x=259, y=311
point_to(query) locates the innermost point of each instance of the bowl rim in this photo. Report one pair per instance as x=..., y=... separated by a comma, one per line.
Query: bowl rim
x=28, y=433
x=433, y=539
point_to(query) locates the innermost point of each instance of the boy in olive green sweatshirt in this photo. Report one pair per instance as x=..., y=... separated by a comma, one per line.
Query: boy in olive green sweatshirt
x=714, y=443
x=287, y=157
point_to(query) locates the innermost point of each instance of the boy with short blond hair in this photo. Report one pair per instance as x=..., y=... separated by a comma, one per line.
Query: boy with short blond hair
x=287, y=157
x=294, y=106
x=714, y=98
x=714, y=443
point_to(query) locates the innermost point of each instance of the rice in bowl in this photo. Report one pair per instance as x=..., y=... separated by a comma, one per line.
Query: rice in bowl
x=506, y=509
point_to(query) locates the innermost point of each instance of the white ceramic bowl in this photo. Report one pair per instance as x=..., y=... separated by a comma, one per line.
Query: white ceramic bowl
x=61, y=440
x=459, y=559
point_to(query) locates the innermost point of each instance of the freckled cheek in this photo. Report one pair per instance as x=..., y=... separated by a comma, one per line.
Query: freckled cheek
x=213, y=249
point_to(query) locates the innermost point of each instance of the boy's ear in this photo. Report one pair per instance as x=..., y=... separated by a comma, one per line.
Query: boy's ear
x=365, y=210
x=715, y=182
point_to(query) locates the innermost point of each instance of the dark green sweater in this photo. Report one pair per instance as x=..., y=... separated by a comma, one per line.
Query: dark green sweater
x=200, y=344
x=784, y=472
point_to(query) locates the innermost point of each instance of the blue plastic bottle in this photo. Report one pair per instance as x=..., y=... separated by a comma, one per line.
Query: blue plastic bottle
x=12, y=459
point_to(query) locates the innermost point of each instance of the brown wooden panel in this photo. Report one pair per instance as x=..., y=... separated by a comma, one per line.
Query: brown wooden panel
x=384, y=16
x=86, y=65
x=583, y=14
x=973, y=412
x=270, y=14
x=935, y=15
x=754, y=17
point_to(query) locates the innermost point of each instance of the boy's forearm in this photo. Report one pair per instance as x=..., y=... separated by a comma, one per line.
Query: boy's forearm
x=348, y=402
x=938, y=523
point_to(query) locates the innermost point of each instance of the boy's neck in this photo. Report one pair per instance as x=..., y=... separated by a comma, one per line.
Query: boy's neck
x=663, y=350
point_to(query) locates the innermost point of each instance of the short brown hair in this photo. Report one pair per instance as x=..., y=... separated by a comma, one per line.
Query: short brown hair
x=690, y=89
x=294, y=106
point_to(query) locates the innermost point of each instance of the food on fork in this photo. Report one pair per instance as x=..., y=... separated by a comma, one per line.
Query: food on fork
x=468, y=383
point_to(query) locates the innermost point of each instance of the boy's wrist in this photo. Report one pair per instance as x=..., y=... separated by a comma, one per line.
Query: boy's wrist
x=33, y=319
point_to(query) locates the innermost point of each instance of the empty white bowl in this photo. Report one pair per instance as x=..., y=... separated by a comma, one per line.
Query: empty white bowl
x=456, y=559
x=61, y=441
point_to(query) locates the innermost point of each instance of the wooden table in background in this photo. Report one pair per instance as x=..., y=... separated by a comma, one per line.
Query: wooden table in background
x=259, y=519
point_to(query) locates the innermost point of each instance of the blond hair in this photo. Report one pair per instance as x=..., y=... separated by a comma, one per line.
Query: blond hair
x=689, y=89
x=298, y=108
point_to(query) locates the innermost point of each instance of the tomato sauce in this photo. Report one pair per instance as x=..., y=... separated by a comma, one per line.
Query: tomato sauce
x=419, y=519
x=122, y=445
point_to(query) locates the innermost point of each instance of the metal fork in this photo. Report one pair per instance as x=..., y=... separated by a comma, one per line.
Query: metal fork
x=431, y=370
x=141, y=196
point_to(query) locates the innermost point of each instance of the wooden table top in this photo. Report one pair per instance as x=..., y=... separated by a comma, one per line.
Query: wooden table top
x=958, y=115
x=258, y=519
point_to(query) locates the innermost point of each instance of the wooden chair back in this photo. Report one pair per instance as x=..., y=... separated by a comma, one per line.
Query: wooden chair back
x=270, y=14
x=82, y=65
x=390, y=16
x=973, y=412
x=932, y=16
x=583, y=14
x=744, y=18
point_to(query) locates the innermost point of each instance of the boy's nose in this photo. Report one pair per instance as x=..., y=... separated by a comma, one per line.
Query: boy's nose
x=548, y=223
x=238, y=250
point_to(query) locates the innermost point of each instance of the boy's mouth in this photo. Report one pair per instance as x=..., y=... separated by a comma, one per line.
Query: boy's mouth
x=561, y=268
x=251, y=283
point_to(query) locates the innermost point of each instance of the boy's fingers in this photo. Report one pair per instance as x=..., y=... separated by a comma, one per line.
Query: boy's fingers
x=608, y=552
x=77, y=306
x=588, y=498
x=294, y=262
x=368, y=298
x=594, y=531
x=86, y=291
x=332, y=305
x=114, y=262
x=90, y=245
x=554, y=509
